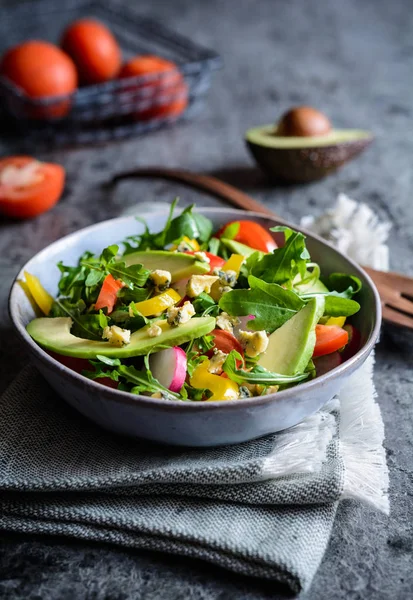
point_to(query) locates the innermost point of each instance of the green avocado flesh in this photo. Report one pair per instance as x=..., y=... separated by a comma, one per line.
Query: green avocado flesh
x=54, y=334
x=313, y=287
x=179, y=264
x=291, y=347
x=238, y=248
x=267, y=136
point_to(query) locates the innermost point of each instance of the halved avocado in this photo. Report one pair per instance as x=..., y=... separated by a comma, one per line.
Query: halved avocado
x=54, y=334
x=304, y=158
x=179, y=264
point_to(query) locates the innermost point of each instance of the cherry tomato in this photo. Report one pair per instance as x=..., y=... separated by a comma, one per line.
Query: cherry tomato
x=354, y=342
x=253, y=235
x=94, y=49
x=108, y=293
x=225, y=341
x=82, y=364
x=29, y=187
x=41, y=70
x=329, y=338
x=166, y=92
x=215, y=262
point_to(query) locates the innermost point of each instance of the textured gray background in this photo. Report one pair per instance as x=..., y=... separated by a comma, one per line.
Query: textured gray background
x=353, y=60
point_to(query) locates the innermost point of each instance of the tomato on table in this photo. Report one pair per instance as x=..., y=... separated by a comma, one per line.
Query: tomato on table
x=29, y=187
x=41, y=70
x=165, y=91
x=329, y=338
x=94, y=50
x=251, y=234
x=215, y=262
x=82, y=364
x=108, y=293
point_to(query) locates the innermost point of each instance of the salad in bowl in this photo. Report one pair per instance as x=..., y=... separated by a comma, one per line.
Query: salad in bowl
x=197, y=314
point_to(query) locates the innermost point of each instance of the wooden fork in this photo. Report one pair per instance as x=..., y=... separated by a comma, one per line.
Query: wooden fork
x=396, y=290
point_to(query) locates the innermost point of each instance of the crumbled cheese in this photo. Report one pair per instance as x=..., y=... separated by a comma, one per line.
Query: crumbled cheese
x=200, y=283
x=179, y=315
x=161, y=279
x=244, y=392
x=226, y=278
x=253, y=342
x=202, y=257
x=157, y=395
x=116, y=336
x=226, y=322
x=216, y=362
x=223, y=290
x=154, y=330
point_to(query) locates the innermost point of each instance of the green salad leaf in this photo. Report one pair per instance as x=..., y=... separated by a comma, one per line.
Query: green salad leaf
x=349, y=285
x=257, y=374
x=271, y=304
x=144, y=381
x=283, y=264
x=108, y=263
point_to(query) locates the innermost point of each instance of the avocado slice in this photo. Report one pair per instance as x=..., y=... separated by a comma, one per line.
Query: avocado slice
x=54, y=334
x=300, y=159
x=291, y=346
x=238, y=248
x=179, y=264
x=312, y=287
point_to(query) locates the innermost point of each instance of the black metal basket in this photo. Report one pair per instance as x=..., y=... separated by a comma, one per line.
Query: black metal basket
x=117, y=108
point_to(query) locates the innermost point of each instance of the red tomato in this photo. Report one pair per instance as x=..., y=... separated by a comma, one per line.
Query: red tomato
x=253, y=235
x=108, y=293
x=82, y=364
x=166, y=92
x=225, y=341
x=94, y=49
x=29, y=187
x=329, y=338
x=214, y=260
x=41, y=70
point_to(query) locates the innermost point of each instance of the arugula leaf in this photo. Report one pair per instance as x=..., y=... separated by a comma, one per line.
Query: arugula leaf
x=134, y=275
x=144, y=381
x=271, y=304
x=284, y=264
x=194, y=226
x=99, y=368
x=84, y=325
x=202, y=303
x=113, y=362
x=127, y=295
x=213, y=245
x=256, y=375
x=340, y=282
x=94, y=278
x=128, y=317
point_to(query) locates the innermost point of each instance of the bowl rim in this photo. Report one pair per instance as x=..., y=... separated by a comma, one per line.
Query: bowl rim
x=132, y=399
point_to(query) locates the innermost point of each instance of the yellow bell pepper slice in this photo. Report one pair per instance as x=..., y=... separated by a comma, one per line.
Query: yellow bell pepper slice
x=234, y=263
x=192, y=243
x=158, y=304
x=42, y=298
x=221, y=388
x=339, y=321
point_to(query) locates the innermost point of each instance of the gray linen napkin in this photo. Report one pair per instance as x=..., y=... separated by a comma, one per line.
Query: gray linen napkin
x=263, y=508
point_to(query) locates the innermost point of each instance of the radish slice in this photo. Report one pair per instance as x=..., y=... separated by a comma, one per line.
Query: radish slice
x=180, y=286
x=169, y=367
x=324, y=364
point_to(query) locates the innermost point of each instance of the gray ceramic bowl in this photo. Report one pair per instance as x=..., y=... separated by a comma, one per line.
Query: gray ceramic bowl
x=186, y=423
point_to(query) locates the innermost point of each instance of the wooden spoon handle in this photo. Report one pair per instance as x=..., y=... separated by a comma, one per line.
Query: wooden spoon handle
x=206, y=183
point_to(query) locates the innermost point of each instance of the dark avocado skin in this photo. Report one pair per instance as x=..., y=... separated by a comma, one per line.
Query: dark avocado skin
x=305, y=164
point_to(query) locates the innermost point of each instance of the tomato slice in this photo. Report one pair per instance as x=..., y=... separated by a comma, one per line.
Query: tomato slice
x=82, y=364
x=29, y=187
x=225, y=341
x=253, y=235
x=354, y=342
x=329, y=338
x=214, y=260
x=108, y=293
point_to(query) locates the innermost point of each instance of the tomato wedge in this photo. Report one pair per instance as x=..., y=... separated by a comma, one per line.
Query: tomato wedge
x=225, y=341
x=29, y=187
x=253, y=235
x=329, y=338
x=354, y=342
x=82, y=364
x=214, y=260
x=108, y=293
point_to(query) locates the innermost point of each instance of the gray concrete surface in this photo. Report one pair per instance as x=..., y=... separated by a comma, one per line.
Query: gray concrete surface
x=353, y=60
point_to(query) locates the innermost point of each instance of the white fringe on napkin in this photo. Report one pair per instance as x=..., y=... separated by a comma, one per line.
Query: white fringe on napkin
x=355, y=230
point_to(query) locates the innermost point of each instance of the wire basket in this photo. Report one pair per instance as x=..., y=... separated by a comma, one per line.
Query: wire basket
x=117, y=108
